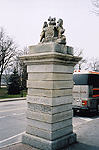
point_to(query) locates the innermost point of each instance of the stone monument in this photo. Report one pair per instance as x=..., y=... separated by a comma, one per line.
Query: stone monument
x=50, y=66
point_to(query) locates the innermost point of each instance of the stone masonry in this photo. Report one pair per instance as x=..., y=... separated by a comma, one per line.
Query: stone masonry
x=49, y=114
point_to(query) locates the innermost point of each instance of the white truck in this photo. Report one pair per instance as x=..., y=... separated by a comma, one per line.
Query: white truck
x=85, y=91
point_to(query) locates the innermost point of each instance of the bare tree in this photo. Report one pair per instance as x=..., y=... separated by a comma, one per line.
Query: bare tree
x=93, y=64
x=82, y=63
x=96, y=6
x=21, y=68
x=7, y=51
x=18, y=63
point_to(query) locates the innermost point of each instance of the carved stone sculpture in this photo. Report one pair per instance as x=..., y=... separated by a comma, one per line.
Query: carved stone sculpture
x=43, y=30
x=61, y=30
x=53, y=32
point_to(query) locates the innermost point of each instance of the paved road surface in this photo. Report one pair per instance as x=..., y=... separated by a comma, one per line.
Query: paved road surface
x=12, y=121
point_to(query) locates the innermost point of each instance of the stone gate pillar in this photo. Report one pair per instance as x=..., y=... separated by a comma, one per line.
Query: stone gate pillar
x=50, y=67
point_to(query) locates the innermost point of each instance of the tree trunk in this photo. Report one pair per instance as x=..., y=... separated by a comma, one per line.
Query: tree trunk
x=0, y=81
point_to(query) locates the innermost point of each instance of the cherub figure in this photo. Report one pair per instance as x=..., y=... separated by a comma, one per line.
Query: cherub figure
x=61, y=30
x=43, y=31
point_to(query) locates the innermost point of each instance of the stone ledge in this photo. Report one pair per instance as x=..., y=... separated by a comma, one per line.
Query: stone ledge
x=50, y=101
x=50, y=58
x=49, y=126
x=50, y=84
x=50, y=47
x=48, y=118
x=47, y=144
x=50, y=68
x=48, y=134
x=49, y=109
x=43, y=76
x=49, y=93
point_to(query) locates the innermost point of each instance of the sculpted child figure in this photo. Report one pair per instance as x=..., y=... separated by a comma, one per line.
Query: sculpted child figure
x=43, y=31
x=61, y=30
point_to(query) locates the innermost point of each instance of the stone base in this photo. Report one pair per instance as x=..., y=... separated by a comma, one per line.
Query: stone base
x=44, y=144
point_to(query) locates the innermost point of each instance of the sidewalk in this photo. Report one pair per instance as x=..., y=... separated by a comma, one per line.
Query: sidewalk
x=87, y=138
x=12, y=99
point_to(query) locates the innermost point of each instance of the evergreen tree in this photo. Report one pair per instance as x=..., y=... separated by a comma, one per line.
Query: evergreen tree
x=14, y=83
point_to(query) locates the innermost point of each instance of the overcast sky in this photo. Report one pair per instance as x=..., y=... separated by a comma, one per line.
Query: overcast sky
x=23, y=19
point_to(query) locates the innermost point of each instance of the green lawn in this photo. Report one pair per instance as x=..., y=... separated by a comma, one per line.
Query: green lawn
x=3, y=94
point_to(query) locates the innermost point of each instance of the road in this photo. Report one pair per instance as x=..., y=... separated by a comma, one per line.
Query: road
x=77, y=120
x=12, y=121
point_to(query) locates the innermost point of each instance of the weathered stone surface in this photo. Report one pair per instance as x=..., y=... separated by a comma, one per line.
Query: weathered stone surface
x=40, y=108
x=69, y=50
x=51, y=47
x=50, y=93
x=50, y=68
x=44, y=144
x=48, y=47
x=50, y=101
x=50, y=58
x=49, y=84
x=49, y=135
x=49, y=109
x=49, y=118
x=43, y=76
x=49, y=126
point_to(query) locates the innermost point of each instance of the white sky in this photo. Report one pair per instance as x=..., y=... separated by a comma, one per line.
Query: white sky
x=24, y=19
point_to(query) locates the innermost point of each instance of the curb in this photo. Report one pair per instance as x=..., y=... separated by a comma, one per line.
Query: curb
x=12, y=99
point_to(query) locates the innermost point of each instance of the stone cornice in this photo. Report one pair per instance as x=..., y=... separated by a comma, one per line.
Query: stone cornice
x=50, y=58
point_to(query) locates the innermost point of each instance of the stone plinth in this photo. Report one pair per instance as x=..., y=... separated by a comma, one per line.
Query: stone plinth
x=49, y=114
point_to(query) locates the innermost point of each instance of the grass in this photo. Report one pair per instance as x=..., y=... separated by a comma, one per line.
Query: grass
x=3, y=94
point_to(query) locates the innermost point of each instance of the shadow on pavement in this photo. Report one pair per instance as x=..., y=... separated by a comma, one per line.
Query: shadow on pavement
x=87, y=114
x=80, y=146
